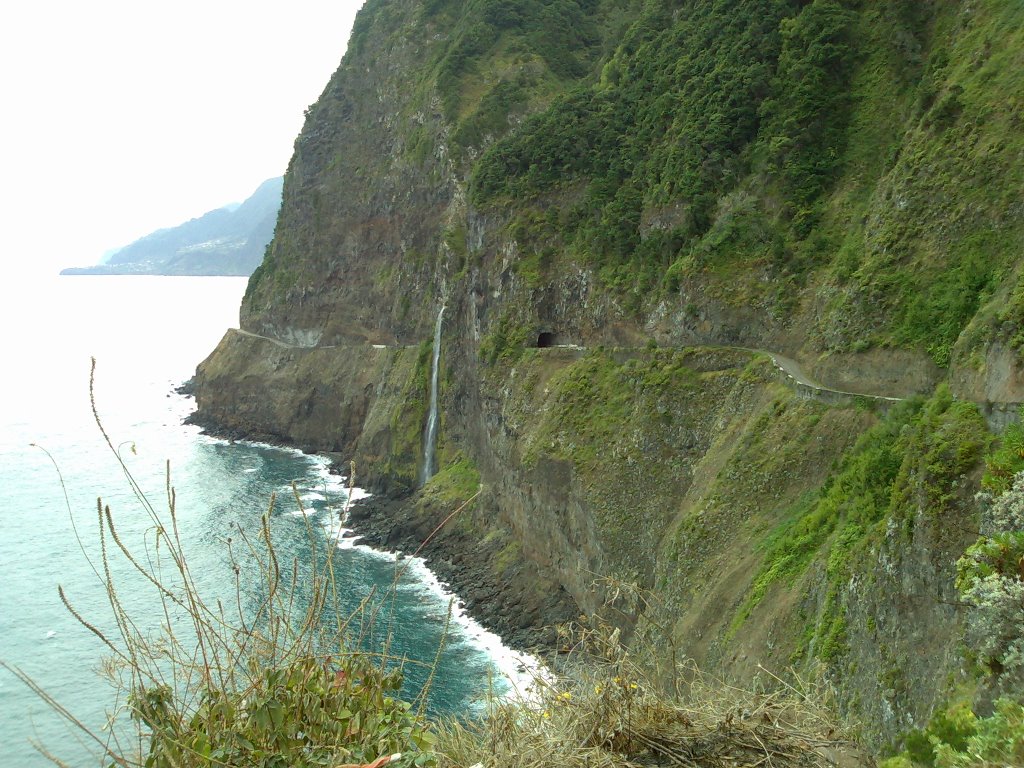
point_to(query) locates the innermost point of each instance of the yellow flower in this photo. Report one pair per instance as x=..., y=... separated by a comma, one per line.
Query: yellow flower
x=565, y=696
x=546, y=713
x=597, y=689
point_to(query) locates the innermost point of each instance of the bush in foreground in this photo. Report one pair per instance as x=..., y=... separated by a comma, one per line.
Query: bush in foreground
x=600, y=707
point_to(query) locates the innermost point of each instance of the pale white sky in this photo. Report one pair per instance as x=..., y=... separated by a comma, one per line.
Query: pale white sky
x=123, y=116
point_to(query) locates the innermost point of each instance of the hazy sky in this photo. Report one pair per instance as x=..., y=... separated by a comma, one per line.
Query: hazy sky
x=123, y=116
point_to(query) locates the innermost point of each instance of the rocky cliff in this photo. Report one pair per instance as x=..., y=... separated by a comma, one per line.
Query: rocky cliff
x=617, y=204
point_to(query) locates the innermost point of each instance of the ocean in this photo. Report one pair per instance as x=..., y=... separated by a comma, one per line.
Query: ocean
x=147, y=334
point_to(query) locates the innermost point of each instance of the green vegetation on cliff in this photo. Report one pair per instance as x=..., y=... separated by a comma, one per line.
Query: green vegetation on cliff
x=1003, y=464
x=405, y=452
x=758, y=134
x=670, y=121
x=855, y=497
x=907, y=470
x=852, y=165
x=562, y=34
x=834, y=180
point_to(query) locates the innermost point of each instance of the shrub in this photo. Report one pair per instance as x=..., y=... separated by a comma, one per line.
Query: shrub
x=990, y=577
x=602, y=706
x=958, y=738
x=997, y=741
x=1002, y=465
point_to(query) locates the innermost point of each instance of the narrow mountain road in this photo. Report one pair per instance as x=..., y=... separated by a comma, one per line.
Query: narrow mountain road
x=794, y=371
x=787, y=365
x=278, y=342
x=791, y=368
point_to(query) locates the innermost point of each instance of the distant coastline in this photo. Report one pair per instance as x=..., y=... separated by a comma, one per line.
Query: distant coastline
x=228, y=241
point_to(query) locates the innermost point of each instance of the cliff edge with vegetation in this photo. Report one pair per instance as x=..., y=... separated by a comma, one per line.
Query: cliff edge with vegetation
x=618, y=204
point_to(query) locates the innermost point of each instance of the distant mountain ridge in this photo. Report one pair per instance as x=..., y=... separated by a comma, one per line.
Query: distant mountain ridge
x=226, y=241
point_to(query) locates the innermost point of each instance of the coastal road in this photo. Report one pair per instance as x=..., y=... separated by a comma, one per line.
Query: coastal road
x=278, y=342
x=272, y=340
x=793, y=370
x=787, y=365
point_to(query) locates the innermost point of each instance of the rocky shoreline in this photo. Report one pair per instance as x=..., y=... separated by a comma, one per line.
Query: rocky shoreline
x=523, y=616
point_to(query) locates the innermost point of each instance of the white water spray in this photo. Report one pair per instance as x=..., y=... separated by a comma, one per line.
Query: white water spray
x=430, y=433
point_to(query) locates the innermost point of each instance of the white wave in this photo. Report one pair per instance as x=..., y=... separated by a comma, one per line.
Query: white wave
x=325, y=477
x=323, y=481
x=520, y=670
x=366, y=549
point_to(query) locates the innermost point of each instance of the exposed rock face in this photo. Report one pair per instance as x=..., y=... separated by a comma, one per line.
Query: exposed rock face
x=637, y=461
x=320, y=398
x=998, y=379
x=360, y=210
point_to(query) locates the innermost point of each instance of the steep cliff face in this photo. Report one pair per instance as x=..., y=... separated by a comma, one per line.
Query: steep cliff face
x=359, y=210
x=616, y=203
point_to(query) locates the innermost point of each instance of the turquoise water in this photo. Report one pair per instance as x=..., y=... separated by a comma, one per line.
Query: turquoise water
x=147, y=334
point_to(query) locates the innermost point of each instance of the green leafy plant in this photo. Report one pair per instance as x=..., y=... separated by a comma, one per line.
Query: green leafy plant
x=307, y=711
x=997, y=740
x=1003, y=464
x=951, y=727
x=958, y=738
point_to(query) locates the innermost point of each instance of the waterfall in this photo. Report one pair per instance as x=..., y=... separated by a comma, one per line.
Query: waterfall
x=430, y=433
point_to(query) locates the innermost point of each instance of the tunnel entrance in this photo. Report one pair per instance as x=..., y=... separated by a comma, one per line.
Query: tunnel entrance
x=546, y=339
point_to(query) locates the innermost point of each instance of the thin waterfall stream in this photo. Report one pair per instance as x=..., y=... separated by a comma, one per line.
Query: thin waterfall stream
x=430, y=433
